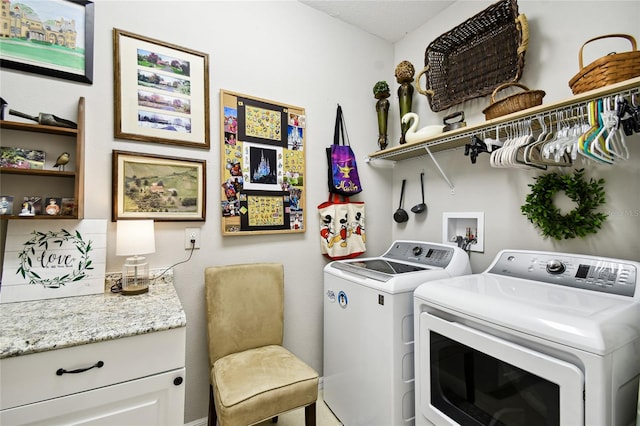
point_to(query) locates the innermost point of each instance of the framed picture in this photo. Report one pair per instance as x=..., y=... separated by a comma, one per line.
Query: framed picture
x=53, y=206
x=171, y=84
x=52, y=38
x=21, y=158
x=161, y=188
x=6, y=204
x=262, y=145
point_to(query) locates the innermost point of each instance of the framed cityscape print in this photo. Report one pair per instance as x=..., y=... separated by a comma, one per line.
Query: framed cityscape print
x=52, y=38
x=160, y=188
x=171, y=84
x=262, y=145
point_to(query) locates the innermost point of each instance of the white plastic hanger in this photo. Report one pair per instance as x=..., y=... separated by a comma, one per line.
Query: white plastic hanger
x=595, y=145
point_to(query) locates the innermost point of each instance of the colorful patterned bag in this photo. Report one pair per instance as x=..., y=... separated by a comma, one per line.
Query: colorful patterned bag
x=343, y=176
x=342, y=230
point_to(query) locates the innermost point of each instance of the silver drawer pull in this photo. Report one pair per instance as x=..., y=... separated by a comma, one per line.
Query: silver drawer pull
x=62, y=371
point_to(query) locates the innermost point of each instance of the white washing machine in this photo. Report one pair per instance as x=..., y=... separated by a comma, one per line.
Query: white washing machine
x=368, y=330
x=538, y=338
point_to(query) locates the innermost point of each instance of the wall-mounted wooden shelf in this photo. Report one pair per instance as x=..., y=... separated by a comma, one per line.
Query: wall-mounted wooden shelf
x=36, y=172
x=459, y=137
x=58, y=183
x=38, y=128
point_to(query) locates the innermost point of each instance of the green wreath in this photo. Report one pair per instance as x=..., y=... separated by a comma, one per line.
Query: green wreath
x=579, y=222
x=41, y=239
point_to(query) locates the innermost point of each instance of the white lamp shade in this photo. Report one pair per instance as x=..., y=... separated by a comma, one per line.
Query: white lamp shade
x=135, y=237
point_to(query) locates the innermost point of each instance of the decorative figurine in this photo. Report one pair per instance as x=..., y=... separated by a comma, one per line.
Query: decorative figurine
x=53, y=208
x=404, y=76
x=27, y=209
x=62, y=160
x=381, y=93
x=46, y=119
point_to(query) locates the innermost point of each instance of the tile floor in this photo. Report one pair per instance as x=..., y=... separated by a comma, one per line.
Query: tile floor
x=324, y=416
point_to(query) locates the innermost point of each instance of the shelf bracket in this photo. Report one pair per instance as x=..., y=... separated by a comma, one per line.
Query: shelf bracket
x=453, y=189
x=378, y=163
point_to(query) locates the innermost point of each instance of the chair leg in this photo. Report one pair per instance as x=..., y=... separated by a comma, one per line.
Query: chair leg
x=213, y=417
x=310, y=415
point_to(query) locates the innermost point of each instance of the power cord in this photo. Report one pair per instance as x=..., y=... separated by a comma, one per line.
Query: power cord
x=117, y=287
x=193, y=247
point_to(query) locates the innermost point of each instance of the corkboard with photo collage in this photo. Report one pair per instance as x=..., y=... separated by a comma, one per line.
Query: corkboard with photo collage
x=262, y=145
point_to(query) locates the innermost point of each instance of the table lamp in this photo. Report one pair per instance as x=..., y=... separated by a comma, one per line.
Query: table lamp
x=134, y=238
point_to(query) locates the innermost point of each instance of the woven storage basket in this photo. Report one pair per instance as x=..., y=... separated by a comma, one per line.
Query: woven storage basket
x=607, y=70
x=472, y=59
x=513, y=103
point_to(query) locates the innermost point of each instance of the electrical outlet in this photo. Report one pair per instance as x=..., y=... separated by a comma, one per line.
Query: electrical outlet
x=189, y=235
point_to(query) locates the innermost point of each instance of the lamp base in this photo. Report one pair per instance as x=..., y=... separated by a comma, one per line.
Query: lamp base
x=135, y=276
x=133, y=290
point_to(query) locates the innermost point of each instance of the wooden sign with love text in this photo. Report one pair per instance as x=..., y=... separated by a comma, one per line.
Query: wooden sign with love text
x=48, y=259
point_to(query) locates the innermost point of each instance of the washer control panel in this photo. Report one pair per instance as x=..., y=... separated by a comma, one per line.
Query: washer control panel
x=426, y=254
x=581, y=271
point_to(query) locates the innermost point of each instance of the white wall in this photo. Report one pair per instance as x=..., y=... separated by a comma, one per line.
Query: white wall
x=557, y=31
x=289, y=53
x=281, y=51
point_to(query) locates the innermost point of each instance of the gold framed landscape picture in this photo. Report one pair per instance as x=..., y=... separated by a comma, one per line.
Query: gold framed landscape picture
x=160, y=188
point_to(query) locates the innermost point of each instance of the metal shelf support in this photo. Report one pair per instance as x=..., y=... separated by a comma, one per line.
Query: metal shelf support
x=453, y=189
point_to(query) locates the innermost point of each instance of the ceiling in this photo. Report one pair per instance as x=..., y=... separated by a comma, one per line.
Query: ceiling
x=390, y=20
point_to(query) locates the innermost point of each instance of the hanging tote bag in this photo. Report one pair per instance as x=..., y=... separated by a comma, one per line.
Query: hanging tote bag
x=343, y=176
x=342, y=230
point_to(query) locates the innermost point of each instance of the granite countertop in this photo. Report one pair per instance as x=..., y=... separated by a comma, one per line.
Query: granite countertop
x=43, y=325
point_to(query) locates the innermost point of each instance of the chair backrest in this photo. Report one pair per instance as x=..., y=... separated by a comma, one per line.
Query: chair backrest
x=245, y=307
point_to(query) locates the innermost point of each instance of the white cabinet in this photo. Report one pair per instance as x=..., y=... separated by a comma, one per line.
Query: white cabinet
x=149, y=401
x=136, y=380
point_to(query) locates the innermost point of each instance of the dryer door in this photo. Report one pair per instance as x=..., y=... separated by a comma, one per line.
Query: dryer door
x=469, y=377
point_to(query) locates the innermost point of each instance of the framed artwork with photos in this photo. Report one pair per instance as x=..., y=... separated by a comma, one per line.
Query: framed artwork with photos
x=160, y=188
x=52, y=38
x=171, y=86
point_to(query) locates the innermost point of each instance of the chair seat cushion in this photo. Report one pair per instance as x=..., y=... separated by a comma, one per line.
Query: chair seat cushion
x=253, y=373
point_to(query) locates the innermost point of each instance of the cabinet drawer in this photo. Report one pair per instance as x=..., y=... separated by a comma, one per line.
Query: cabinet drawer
x=31, y=378
x=151, y=401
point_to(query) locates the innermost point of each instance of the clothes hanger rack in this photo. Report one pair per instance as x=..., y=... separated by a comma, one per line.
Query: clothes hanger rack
x=527, y=141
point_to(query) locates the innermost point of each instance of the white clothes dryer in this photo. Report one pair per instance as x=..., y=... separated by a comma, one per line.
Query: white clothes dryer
x=538, y=338
x=368, y=330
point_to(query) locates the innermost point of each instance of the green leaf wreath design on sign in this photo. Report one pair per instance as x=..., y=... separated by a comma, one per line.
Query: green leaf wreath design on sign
x=579, y=222
x=41, y=240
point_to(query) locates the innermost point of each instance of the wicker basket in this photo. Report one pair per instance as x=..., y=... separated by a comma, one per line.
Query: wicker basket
x=607, y=70
x=513, y=103
x=472, y=59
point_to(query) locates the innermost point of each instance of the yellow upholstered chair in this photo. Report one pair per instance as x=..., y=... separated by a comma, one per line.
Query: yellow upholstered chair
x=253, y=377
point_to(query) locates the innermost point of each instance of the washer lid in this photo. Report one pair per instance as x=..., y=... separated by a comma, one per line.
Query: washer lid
x=395, y=283
x=404, y=266
x=593, y=322
x=377, y=268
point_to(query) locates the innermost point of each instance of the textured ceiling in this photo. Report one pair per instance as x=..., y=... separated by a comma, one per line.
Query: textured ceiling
x=389, y=20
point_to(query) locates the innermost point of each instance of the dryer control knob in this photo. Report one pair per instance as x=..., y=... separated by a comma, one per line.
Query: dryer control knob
x=417, y=251
x=555, y=267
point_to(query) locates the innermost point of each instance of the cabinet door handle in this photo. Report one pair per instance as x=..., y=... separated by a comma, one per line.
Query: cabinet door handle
x=62, y=371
